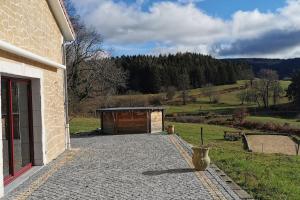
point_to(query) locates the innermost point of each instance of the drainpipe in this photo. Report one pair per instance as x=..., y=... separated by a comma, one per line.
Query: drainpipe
x=66, y=103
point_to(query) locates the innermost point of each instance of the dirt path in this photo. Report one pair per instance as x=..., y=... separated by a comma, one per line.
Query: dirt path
x=272, y=144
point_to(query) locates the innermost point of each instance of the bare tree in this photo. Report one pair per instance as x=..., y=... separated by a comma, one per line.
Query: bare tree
x=170, y=92
x=209, y=92
x=293, y=91
x=277, y=91
x=265, y=87
x=90, y=74
x=242, y=96
x=267, y=80
x=253, y=96
x=184, y=85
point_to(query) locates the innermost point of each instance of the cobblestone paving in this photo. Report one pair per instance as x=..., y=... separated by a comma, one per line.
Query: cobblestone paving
x=116, y=167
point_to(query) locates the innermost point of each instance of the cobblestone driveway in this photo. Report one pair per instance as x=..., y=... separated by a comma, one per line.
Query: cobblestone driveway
x=117, y=167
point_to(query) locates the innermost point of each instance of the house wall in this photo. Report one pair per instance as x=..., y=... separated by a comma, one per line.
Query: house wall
x=30, y=25
x=54, y=113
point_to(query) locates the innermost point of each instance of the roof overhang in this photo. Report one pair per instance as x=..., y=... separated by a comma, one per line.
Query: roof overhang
x=62, y=18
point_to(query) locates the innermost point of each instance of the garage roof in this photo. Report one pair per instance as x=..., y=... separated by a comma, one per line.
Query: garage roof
x=130, y=108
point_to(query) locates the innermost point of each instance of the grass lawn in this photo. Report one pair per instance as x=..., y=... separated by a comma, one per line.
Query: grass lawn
x=285, y=84
x=264, y=176
x=80, y=124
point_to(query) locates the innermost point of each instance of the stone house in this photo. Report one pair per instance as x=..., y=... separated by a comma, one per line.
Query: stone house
x=33, y=85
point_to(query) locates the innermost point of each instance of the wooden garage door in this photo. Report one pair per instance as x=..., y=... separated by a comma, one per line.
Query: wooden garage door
x=132, y=122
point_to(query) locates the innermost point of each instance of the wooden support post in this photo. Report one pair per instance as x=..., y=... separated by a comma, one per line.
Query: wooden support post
x=163, y=120
x=101, y=121
x=148, y=122
x=117, y=122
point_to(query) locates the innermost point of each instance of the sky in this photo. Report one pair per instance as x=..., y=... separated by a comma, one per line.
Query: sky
x=221, y=28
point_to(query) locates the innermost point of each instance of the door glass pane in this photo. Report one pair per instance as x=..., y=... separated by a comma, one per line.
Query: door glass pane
x=21, y=124
x=5, y=126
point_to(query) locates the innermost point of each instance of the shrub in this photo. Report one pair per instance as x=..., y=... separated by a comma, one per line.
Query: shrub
x=170, y=92
x=210, y=115
x=189, y=119
x=193, y=99
x=269, y=126
x=298, y=118
x=240, y=115
x=286, y=125
x=216, y=98
x=156, y=100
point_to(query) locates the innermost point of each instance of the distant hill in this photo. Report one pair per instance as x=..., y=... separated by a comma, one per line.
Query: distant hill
x=284, y=67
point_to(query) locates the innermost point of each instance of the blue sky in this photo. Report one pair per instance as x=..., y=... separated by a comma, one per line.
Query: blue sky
x=223, y=8
x=222, y=28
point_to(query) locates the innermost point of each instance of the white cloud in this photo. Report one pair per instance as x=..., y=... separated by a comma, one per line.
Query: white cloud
x=181, y=26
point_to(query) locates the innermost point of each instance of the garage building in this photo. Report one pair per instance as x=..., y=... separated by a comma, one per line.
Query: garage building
x=127, y=120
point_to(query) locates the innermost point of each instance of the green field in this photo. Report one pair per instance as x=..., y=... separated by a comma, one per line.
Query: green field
x=264, y=176
x=228, y=100
x=81, y=124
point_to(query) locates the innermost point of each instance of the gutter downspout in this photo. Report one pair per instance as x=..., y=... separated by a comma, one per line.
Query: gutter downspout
x=66, y=103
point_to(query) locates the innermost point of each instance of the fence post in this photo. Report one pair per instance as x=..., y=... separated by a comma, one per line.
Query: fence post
x=202, y=136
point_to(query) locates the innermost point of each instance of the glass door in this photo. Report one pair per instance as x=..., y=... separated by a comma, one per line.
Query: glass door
x=6, y=140
x=16, y=127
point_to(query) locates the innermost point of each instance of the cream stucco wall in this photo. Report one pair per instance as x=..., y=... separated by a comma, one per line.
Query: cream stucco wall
x=54, y=113
x=30, y=25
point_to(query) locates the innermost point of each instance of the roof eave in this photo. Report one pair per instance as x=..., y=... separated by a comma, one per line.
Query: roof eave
x=62, y=18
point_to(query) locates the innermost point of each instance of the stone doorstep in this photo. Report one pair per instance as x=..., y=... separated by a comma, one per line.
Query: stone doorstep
x=22, y=179
x=227, y=180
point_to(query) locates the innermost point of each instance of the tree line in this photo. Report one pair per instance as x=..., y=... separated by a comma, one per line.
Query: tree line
x=151, y=74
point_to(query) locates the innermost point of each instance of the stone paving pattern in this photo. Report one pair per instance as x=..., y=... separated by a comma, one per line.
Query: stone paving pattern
x=213, y=173
x=117, y=167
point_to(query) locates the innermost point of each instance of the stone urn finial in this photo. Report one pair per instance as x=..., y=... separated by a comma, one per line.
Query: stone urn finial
x=201, y=159
x=171, y=129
